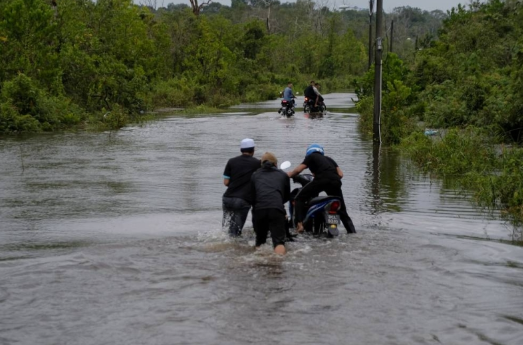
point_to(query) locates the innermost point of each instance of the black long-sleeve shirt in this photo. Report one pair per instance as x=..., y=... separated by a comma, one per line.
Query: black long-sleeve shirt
x=271, y=188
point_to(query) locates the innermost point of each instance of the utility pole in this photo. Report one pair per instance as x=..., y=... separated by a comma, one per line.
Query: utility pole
x=377, y=73
x=371, y=10
x=391, y=34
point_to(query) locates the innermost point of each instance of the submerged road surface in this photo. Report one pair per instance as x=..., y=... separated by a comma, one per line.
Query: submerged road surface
x=115, y=238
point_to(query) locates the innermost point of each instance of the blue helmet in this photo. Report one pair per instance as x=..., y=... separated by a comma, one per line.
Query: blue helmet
x=314, y=148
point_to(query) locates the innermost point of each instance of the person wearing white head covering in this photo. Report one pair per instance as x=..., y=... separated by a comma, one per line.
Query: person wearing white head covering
x=237, y=199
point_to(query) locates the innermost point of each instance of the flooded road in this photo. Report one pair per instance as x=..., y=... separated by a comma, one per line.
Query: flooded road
x=115, y=238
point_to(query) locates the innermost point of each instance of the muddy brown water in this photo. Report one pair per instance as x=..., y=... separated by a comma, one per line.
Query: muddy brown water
x=115, y=238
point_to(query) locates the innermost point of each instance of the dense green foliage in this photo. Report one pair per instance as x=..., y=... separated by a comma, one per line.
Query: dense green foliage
x=469, y=85
x=102, y=63
x=494, y=173
x=471, y=75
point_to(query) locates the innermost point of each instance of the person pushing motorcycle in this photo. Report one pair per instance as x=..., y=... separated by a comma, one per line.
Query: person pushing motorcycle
x=327, y=178
x=271, y=189
x=237, y=199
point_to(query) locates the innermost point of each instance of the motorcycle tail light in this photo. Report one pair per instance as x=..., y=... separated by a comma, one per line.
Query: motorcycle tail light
x=334, y=207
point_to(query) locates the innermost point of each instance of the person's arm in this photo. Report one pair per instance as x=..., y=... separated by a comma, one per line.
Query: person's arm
x=287, y=190
x=253, y=191
x=340, y=173
x=227, y=174
x=298, y=170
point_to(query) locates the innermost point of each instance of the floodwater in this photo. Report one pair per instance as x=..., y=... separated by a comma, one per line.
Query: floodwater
x=115, y=238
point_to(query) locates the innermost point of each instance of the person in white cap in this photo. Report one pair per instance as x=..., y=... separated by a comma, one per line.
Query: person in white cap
x=237, y=199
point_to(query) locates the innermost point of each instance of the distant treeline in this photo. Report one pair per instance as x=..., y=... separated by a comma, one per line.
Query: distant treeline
x=70, y=63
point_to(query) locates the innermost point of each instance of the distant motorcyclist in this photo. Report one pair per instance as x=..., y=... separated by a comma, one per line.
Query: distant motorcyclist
x=327, y=178
x=309, y=92
x=319, y=98
x=287, y=94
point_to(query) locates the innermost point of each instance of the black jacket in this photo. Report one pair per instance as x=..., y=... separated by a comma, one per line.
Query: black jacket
x=271, y=188
x=309, y=92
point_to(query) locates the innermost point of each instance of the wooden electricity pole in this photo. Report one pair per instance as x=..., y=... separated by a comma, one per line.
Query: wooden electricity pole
x=391, y=34
x=371, y=10
x=377, y=73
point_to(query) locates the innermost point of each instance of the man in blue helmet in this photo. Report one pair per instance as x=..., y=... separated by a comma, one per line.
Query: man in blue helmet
x=237, y=199
x=327, y=178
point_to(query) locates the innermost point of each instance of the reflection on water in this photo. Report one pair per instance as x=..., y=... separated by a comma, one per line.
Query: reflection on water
x=114, y=238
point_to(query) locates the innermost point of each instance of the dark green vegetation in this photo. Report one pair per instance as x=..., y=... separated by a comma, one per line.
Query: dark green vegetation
x=100, y=64
x=469, y=85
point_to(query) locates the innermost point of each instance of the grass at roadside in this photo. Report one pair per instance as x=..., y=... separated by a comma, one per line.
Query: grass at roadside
x=493, y=172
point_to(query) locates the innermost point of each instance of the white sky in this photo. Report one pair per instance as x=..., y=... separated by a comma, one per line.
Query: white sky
x=388, y=5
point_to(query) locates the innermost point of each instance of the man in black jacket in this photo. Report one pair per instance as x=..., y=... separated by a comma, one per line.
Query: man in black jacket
x=237, y=199
x=271, y=188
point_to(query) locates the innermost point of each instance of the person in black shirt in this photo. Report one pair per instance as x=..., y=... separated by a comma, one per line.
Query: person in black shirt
x=237, y=199
x=310, y=93
x=327, y=178
x=271, y=188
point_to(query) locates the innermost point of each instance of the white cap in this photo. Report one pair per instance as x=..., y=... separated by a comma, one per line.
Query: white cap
x=247, y=143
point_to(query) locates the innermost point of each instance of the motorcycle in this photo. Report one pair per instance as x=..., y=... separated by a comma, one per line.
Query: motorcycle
x=322, y=215
x=308, y=106
x=287, y=108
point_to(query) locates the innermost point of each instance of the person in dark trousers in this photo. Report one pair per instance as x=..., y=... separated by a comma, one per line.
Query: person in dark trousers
x=237, y=199
x=271, y=189
x=327, y=178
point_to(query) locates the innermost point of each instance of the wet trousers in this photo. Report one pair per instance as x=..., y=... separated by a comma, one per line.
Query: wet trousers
x=235, y=212
x=273, y=220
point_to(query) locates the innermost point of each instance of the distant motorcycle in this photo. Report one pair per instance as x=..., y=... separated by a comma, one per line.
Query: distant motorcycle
x=308, y=106
x=287, y=108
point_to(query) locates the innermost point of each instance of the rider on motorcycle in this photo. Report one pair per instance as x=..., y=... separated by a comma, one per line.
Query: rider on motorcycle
x=309, y=92
x=319, y=98
x=287, y=94
x=327, y=178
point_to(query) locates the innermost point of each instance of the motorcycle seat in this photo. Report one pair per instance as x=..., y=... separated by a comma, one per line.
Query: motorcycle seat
x=318, y=199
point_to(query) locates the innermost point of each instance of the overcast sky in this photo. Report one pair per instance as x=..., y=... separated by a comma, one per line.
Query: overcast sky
x=388, y=5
